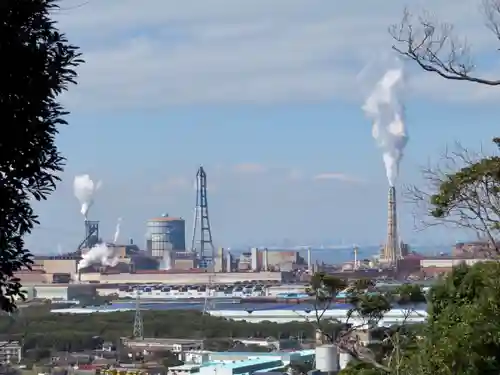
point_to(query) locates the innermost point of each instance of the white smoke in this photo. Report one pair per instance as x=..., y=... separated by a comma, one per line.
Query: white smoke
x=99, y=254
x=117, y=231
x=385, y=108
x=84, y=189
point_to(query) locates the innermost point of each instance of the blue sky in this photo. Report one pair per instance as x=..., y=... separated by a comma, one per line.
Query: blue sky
x=264, y=95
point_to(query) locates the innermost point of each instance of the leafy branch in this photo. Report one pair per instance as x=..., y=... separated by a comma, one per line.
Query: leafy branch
x=462, y=191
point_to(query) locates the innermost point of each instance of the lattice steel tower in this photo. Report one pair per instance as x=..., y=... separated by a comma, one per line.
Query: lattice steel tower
x=202, y=244
x=138, y=333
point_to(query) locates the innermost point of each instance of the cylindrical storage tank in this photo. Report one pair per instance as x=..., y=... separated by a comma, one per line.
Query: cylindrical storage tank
x=344, y=359
x=166, y=234
x=327, y=358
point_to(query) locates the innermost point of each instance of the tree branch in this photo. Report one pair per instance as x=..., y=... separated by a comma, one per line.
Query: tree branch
x=462, y=190
x=432, y=45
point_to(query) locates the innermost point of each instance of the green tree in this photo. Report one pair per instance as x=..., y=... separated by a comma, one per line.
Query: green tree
x=462, y=190
x=462, y=333
x=434, y=47
x=38, y=63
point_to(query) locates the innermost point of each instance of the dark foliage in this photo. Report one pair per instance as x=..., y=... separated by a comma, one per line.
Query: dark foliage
x=38, y=65
x=38, y=328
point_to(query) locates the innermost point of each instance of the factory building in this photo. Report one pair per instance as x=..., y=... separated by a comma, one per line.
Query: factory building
x=59, y=292
x=269, y=260
x=63, y=269
x=65, y=292
x=52, y=265
x=179, y=277
x=220, y=262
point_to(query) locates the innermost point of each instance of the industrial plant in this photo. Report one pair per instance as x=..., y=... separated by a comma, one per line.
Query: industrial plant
x=166, y=258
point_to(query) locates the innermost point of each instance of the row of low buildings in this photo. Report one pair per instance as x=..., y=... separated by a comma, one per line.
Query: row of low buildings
x=70, y=292
x=151, y=277
x=135, y=265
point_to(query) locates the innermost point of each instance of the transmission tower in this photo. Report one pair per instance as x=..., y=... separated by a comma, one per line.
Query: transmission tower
x=201, y=242
x=138, y=323
x=209, y=305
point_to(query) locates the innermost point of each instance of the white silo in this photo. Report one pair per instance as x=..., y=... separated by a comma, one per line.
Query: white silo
x=344, y=359
x=327, y=358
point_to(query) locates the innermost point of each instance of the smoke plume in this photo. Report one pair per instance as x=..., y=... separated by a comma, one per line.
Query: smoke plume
x=385, y=108
x=117, y=230
x=85, y=189
x=99, y=254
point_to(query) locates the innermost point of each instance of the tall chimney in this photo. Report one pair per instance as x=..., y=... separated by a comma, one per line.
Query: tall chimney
x=391, y=247
x=309, y=261
x=265, y=260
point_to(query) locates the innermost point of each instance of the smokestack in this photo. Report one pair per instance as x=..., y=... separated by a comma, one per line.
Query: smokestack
x=309, y=261
x=391, y=253
x=255, y=260
x=265, y=261
x=228, y=262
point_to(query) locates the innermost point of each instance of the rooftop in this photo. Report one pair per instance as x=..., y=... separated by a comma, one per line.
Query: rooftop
x=165, y=219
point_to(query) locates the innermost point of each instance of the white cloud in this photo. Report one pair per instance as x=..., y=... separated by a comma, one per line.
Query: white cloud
x=336, y=176
x=166, y=52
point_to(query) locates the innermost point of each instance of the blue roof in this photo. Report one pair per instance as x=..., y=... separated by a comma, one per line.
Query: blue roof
x=252, y=365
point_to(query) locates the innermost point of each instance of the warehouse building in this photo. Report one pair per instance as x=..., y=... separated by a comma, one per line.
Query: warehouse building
x=65, y=292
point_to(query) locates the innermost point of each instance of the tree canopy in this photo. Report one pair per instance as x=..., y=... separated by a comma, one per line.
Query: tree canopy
x=460, y=336
x=38, y=67
x=462, y=190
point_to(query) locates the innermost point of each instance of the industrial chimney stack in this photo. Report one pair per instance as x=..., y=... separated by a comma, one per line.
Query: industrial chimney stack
x=391, y=253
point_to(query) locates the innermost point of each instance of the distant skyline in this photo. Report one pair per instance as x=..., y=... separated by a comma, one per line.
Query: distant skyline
x=264, y=95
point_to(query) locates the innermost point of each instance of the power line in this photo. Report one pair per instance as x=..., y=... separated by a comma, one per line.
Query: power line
x=78, y=6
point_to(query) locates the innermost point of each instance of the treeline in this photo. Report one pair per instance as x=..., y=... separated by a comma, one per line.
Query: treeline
x=38, y=328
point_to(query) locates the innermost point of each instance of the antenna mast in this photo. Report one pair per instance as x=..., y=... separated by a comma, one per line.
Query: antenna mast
x=138, y=333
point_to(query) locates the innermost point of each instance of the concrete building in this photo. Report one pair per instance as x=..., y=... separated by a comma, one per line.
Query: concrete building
x=282, y=260
x=220, y=263
x=255, y=264
x=184, y=260
x=245, y=261
x=33, y=277
x=64, y=292
x=54, y=265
